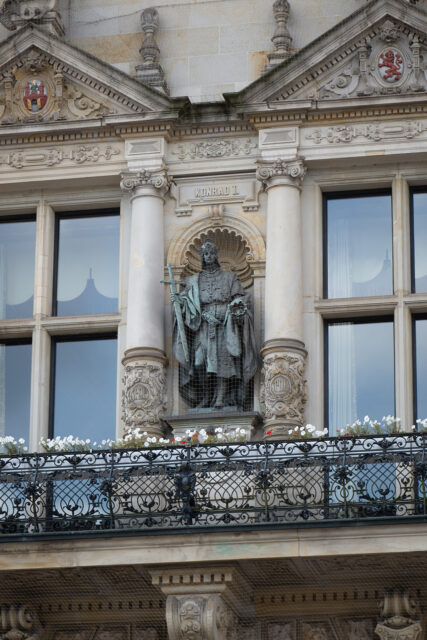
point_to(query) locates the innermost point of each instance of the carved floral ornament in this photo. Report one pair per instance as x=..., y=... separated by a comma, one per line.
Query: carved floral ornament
x=283, y=387
x=199, y=616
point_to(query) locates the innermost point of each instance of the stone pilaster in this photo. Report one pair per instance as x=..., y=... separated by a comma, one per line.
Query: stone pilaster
x=19, y=622
x=15, y=14
x=204, y=603
x=400, y=617
x=144, y=381
x=283, y=386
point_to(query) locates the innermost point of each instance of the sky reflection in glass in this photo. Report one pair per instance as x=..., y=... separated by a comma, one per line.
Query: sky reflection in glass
x=88, y=265
x=359, y=246
x=420, y=242
x=85, y=389
x=361, y=372
x=15, y=389
x=421, y=367
x=17, y=255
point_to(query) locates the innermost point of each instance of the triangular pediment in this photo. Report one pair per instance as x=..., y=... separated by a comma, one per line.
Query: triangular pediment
x=379, y=53
x=43, y=78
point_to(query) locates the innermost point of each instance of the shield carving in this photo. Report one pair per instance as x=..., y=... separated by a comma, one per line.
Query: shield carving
x=35, y=95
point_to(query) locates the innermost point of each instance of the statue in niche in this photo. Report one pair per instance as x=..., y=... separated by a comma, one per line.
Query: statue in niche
x=213, y=338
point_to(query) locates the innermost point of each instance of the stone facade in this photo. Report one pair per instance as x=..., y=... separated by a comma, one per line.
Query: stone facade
x=221, y=120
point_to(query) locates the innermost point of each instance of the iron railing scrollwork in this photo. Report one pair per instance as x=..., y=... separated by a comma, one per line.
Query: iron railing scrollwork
x=308, y=482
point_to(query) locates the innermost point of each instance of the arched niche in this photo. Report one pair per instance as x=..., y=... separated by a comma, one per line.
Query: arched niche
x=240, y=246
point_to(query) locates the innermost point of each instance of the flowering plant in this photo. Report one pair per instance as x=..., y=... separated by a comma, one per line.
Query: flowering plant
x=309, y=431
x=12, y=446
x=388, y=424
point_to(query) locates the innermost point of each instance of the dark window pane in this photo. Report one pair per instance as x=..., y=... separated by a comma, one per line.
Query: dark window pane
x=85, y=389
x=15, y=388
x=88, y=265
x=421, y=367
x=359, y=247
x=361, y=372
x=420, y=240
x=17, y=250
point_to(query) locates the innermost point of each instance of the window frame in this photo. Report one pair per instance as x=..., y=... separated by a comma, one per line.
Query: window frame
x=69, y=215
x=341, y=195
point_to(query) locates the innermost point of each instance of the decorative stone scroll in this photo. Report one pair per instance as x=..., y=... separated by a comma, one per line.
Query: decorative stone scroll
x=150, y=72
x=400, y=616
x=159, y=180
x=290, y=172
x=18, y=622
x=15, y=14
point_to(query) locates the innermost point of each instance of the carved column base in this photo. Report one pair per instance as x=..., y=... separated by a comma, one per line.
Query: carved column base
x=202, y=604
x=144, y=390
x=283, y=387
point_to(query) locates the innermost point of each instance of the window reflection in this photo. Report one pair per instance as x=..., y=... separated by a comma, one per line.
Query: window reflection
x=17, y=254
x=421, y=367
x=88, y=265
x=359, y=246
x=360, y=372
x=15, y=388
x=85, y=388
x=419, y=241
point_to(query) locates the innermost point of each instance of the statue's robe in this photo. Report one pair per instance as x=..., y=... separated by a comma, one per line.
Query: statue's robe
x=218, y=343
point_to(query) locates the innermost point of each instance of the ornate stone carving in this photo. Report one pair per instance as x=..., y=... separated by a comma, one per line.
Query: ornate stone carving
x=160, y=180
x=281, y=39
x=400, y=616
x=360, y=629
x=292, y=172
x=15, y=14
x=374, y=132
x=283, y=392
x=144, y=396
x=215, y=148
x=50, y=157
x=282, y=631
x=204, y=617
x=389, y=32
x=150, y=72
x=18, y=622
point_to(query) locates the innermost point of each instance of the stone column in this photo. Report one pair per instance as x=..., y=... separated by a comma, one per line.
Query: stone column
x=400, y=617
x=283, y=390
x=144, y=382
x=203, y=603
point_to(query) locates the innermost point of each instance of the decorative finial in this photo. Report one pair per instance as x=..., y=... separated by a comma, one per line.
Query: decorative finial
x=15, y=14
x=281, y=39
x=150, y=72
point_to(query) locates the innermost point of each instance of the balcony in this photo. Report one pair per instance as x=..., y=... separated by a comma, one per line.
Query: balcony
x=305, y=483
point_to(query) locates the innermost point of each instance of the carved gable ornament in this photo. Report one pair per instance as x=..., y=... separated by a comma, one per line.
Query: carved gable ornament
x=43, y=78
x=381, y=50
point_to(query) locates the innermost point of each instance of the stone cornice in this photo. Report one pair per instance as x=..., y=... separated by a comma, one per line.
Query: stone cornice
x=279, y=171
x=158, y=180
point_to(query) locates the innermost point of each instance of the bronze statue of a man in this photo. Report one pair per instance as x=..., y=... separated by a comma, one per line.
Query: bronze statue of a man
x=222, y=357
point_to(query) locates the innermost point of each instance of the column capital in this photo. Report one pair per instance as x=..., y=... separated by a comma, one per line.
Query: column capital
x=158, y=180
x=400, y=616
x=281, y=172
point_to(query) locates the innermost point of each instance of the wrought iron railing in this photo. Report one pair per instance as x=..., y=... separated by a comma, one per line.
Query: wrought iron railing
x=245, y=485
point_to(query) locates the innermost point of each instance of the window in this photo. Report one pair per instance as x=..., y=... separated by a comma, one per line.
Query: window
x=87, y=270
x=15, y=381
x=360, y=363
x=59, y=292
x=17, y=249
x=359, y=245
x=419, y=240
x=83, y=401
x=420, y=366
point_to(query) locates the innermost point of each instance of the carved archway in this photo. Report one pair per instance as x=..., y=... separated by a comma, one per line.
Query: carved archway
x=240, y=246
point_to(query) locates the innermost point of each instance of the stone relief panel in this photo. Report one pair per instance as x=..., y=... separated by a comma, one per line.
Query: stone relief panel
x=215, y=148
x=283, y=387
x=372, y=132
x=189, y=194
x=390, y=61
x=72, y=155
x=143, y=395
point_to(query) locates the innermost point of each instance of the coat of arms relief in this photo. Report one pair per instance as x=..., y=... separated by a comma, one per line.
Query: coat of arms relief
x=36, y=89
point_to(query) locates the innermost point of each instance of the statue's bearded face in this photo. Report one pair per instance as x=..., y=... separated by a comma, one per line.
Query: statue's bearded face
x=209, y=254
